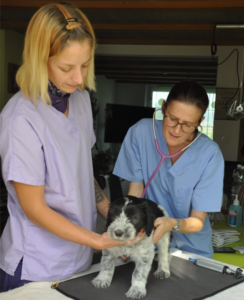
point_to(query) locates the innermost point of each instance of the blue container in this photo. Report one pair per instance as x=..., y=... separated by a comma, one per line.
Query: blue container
x=235, y=214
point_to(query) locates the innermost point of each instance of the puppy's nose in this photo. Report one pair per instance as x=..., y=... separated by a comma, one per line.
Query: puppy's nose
x=119, y=233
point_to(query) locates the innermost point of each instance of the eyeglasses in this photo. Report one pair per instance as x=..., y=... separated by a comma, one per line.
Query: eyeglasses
x=172, y=122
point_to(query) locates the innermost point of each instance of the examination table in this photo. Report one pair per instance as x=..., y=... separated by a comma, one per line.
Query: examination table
x=43, y=290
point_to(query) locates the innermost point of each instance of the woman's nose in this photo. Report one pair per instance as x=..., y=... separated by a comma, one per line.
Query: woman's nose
x=178, y=128
x=78, y=77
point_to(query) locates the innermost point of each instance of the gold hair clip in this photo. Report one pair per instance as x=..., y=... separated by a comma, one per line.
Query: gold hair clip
x=72, y=23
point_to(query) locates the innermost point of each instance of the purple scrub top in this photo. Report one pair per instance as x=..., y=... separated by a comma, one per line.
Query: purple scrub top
x=41, y=146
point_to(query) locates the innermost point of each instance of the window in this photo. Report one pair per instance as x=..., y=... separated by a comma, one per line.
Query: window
x=208, y=122
x=207, y=125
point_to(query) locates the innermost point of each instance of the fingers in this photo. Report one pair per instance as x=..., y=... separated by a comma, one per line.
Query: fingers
x=108, y=242
x=138, y=238
x=156, y=237
x=159, y=231
x=158, y=221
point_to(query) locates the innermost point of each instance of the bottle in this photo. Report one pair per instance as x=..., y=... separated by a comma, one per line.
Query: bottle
x=235, y=214
x=236, y=170
x=238, y=180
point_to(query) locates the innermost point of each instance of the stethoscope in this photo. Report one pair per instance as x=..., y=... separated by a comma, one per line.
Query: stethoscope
x=163, y=156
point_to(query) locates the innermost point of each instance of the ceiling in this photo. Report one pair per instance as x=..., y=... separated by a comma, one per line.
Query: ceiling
x=157, y=70
x=148, y=23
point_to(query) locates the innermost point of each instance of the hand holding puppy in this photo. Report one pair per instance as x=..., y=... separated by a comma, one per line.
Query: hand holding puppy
x=162, y=225
x=107, y=242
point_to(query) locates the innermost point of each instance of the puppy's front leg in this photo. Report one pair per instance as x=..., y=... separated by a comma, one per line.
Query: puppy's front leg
x=139, y=276
x=163, y=270
x=104, y=278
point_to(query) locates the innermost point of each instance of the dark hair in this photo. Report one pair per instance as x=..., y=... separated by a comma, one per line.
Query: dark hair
x=189, y=92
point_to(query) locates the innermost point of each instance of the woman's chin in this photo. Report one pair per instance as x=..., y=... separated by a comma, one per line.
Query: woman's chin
x=176, y=145
x=173, y=141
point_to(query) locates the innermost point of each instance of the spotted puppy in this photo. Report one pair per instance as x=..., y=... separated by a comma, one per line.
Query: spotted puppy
x=126, y=218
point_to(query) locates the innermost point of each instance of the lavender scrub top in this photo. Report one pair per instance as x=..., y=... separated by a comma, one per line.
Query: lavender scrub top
x=41, y=146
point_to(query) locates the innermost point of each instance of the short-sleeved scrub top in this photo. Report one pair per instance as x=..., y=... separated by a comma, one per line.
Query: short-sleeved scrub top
x=41, y=146
x=194, y=181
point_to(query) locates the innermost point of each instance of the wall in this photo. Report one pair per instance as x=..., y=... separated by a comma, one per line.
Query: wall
x=226, y=134
x=12, y=44
x=108, y=91
x=105, y=94
x=130, y=94
x=226, y=77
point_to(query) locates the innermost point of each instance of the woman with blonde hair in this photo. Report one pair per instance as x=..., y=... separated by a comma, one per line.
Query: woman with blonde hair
x=46, y=134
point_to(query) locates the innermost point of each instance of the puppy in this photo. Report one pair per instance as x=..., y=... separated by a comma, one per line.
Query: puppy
x=126, y=218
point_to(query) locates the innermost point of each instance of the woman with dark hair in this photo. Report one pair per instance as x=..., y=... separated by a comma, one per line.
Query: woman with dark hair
x=188, y=185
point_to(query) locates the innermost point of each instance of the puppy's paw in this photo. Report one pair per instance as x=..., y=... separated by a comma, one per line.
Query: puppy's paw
x=101, y=283
x=161, y=274
x=136, y=293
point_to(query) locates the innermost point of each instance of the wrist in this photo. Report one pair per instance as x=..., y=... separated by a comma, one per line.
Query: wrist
x=96, y=241
x=176, y=225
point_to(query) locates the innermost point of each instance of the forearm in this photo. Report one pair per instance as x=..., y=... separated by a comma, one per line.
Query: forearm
x=46, y=218
x=136, y=189
x=62, y=227
x=102, y=202
x=33, y=204
x=188, y=225
x=192, y=224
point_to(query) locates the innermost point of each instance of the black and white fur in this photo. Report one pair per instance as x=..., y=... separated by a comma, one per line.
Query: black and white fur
x=126, y=218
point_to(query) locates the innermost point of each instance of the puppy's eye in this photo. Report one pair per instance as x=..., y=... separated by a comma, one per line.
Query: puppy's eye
x=132, y=217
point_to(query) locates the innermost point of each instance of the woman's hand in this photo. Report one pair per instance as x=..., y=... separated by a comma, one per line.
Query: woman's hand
x=107, y=242
x=192, y=224
x=162, y=225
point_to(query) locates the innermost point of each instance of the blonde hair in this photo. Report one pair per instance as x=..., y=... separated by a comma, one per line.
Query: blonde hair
x=46, y=35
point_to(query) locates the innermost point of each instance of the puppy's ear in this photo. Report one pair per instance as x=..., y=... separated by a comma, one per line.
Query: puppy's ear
x=149, y=217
